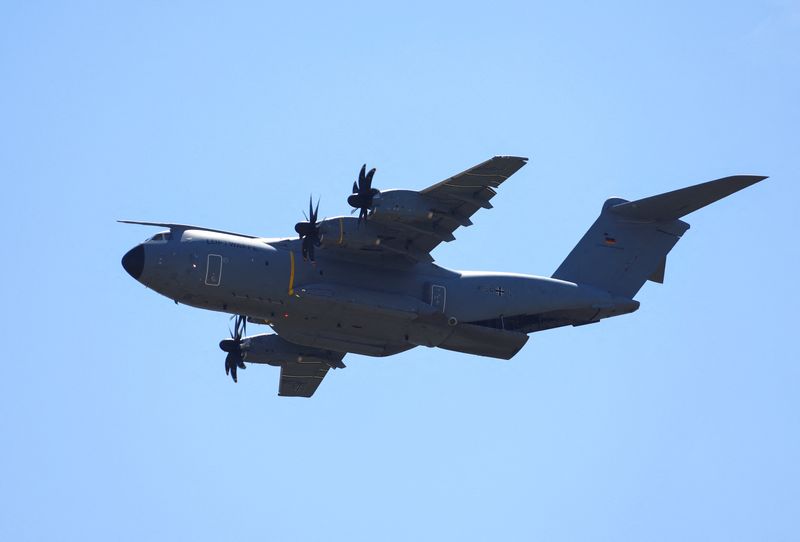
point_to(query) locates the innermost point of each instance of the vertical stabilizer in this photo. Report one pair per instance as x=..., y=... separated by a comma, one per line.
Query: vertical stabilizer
x=628, y=243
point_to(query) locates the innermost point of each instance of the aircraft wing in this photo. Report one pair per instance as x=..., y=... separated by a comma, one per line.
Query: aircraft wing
x=410, y=224
x=460, y=197
x=472, y=189
x=301, y=378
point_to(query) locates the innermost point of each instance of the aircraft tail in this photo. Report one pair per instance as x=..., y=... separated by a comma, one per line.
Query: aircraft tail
x=628, y=243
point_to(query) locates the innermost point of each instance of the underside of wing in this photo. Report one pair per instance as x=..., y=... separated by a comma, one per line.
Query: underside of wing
x=301, y=378
x=302, y=367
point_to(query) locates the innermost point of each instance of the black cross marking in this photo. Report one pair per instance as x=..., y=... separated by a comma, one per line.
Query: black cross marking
x=499, y=291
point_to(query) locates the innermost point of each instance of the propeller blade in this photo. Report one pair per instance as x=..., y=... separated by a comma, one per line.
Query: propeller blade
x=309, y=231
x=227, y=345
x=307, y=249
x=363, y=193
x=243, y=324
x=232, y=364
x=233, y=346
x=368, y=182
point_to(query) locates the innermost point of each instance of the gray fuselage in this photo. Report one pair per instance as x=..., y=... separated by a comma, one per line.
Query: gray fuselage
x=376, y=308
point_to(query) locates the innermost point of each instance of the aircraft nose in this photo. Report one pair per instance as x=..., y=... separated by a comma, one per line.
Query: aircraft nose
x=133, y=261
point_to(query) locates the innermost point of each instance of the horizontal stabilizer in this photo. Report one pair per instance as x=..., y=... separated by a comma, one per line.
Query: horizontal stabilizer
x=678, y=203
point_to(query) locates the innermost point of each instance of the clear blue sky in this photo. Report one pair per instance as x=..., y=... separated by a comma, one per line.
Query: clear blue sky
x=679, y=422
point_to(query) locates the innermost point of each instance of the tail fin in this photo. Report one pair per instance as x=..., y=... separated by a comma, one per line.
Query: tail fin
x=628, y=243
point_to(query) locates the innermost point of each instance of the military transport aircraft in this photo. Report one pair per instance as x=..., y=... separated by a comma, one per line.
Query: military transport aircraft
x=368, y=284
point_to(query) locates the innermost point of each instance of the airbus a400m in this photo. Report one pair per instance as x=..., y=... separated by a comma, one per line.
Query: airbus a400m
x=368, y=284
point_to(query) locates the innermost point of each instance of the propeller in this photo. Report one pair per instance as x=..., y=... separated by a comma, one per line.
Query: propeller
x=233, y=346
x=363, y=193
x=309, y=231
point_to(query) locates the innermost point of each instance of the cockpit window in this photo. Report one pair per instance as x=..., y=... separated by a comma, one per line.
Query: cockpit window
x=163, y=236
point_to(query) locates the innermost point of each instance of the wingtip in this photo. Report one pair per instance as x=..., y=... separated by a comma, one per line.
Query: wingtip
x=143, y=223
x=749, y=176
x=746, y=180
x=509, y=157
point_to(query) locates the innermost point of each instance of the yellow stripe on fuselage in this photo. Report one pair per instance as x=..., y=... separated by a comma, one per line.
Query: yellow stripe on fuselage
x=291, y=272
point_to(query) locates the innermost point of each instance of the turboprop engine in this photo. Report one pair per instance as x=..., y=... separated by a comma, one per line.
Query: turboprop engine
x=403, y=205
x=273, y=350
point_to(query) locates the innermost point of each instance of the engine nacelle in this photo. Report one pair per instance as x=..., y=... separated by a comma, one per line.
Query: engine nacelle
x=273, y=350
x=402, y=205
x=345, y=231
